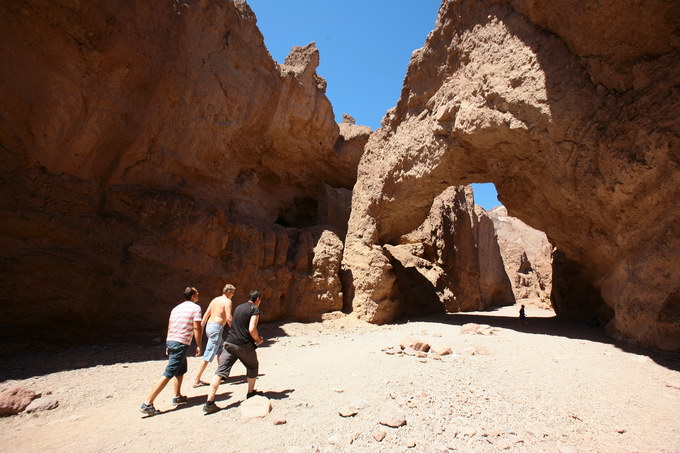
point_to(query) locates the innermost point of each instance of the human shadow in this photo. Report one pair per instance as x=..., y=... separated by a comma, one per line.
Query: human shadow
x=554, y=326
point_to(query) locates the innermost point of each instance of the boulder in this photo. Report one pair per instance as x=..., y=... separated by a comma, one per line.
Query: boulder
x=14, y=400
x=256, y=407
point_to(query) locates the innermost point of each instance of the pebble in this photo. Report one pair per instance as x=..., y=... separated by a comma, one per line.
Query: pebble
x=347, y=411
x=379, y=435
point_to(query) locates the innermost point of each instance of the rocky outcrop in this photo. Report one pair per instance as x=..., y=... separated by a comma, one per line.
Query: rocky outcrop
x=527, y=258
x=571, y=110
x=451, y=262
x=150, y=146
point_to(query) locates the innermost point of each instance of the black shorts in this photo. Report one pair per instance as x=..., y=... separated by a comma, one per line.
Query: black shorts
x=245, y=353
x=177, y=359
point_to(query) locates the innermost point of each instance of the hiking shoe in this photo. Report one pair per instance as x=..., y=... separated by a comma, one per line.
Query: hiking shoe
x=180, y=400
x=148, y=409
x=210, y=407
x=254, y=393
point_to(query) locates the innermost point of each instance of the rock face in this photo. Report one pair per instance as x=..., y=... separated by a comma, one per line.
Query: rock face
x=527, y=257
x=450, y=262
x=574, y=121
x=151, y=146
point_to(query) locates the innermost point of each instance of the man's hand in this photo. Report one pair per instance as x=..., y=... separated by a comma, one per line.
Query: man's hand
x=260, y=342
x=166, y=351
x=198, y=351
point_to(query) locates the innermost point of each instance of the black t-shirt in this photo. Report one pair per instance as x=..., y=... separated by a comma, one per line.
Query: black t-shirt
x=239, y=334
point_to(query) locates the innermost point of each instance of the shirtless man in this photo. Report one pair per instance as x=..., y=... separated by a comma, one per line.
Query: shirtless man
x=216, y=316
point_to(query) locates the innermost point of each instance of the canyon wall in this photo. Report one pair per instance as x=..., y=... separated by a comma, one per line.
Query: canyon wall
x=147, y=146
x=527, y=258
x=571, y=109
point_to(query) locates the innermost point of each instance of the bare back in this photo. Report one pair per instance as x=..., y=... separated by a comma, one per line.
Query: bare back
x=220, y=310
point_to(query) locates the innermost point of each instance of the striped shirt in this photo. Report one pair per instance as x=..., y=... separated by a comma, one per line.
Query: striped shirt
x=182, y=319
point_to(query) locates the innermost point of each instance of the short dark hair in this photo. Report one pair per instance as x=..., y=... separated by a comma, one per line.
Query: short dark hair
x=189, y=291
x=254, y=295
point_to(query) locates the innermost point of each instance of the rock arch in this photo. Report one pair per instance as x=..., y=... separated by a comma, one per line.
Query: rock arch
x=575, y=123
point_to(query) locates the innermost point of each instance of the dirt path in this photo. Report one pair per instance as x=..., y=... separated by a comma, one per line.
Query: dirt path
x=548, y=386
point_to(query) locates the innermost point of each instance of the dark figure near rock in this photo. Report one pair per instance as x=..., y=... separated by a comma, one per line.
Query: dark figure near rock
x=522, y=316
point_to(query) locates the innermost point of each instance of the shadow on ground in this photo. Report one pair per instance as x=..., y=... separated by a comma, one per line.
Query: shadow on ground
x=35, y=358
x=554, y=326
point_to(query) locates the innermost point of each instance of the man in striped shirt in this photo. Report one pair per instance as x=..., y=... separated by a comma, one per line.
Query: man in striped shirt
x=185, y=320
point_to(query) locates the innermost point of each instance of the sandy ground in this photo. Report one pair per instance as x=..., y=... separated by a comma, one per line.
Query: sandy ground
x=548, y=386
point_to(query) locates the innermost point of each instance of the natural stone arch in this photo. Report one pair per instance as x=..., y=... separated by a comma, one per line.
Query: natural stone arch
x=580, y=138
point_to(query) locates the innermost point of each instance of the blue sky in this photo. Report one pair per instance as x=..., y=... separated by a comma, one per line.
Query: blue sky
x=364, y=46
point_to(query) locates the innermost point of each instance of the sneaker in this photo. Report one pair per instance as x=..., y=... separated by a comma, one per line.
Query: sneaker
x=180, y=400
x=210, y=407
x=148, y=409
x=254, y=393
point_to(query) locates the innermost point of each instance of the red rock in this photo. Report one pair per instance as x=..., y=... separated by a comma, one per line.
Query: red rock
x=379, y=435
x=416, y=345
x=15, y=399
x=392, y=415
x=42, y=404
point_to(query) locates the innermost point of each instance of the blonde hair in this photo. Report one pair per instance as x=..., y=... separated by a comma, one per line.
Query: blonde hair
x=228, y=287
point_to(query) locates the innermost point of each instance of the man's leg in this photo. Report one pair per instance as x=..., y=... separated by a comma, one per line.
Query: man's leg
x=251, y=384
x=157, y=388
x=214, y=385
x=225, y=362
x=178, y=385
x=201, y=369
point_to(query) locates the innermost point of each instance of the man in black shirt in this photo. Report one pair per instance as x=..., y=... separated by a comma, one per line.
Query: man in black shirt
x=239, y=344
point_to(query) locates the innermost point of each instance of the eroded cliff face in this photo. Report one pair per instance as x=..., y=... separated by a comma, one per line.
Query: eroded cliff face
x=571, y=110
x=147, y=146
x=527, y=258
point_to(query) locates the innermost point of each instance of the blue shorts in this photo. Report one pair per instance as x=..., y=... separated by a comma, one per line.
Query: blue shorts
x=177, y=359
x=214, y=347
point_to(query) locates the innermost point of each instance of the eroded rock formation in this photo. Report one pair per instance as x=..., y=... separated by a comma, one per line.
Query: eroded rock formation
x=527, y=258
x=571, y=110
x=450, y=262
x=147, y=146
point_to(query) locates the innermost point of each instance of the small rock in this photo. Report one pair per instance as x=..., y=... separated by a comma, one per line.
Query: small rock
x=392, y=415
x=334, y=439
x=257, y=406
x=417, y=345
x=15, y=399
x=620, y=430
x=410, y=443
x=409, y=351
x=42, y=404
x=347, y=411
x=442, y=350
x=379, y=435
x=280, y=421
x=470, y=328
x=421, y=355
x=338, y=390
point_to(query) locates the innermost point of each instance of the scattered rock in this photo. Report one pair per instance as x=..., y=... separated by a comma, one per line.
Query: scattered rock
x=15, y=399
x=421, y=355
x=409, y=351
x=42, y=404
x=441, y=350
x=470, y=328
x=379, y=435
x=279, y=421
x=416, y=345
x=347, y=411
x=392, y=415
x=257, y=406
x=410, y=443
x=338, y=390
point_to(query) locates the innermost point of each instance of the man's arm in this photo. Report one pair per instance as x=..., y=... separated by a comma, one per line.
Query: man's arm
x=227, y=312
x=198, y=335
x=166, y=336
x=252, y=328
x=206, y=316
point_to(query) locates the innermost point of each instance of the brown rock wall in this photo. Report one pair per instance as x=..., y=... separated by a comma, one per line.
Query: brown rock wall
x=573, y=119
x=147, y=146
